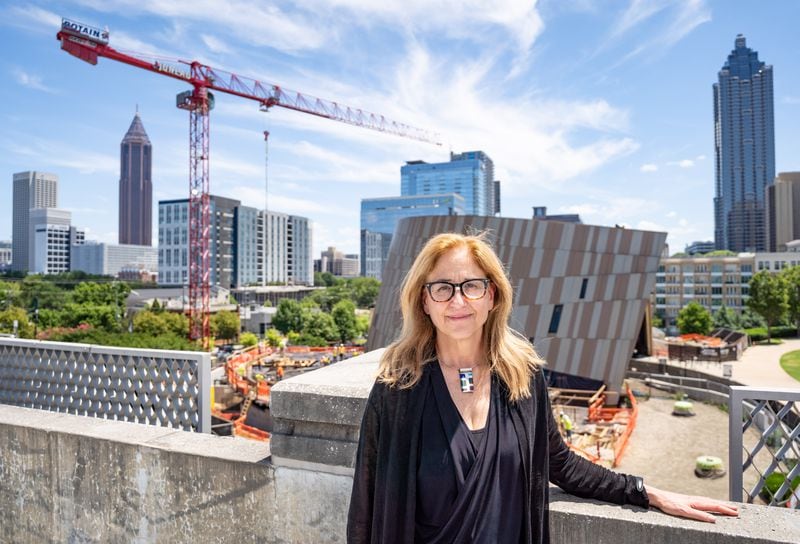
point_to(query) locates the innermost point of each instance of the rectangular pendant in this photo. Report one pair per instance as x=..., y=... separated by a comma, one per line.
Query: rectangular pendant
x=465, y=376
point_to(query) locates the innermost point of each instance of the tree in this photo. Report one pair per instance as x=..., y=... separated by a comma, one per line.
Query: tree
x=248, y=339
x=35, y=291
x=365, y=291
x=274, y=338
x=288, y=317
x=694, y=318
x=344, y=316
x=150, y=323
x=100, y=317
x=9, y=295
x=321, y=325
x=24, y=327
x=726, y=318
x=101, y=294
x=792, y=276
x=769, y=298
x=225, y=325
x=750, y=319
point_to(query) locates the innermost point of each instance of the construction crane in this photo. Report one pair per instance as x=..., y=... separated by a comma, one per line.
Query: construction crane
x=89, y=43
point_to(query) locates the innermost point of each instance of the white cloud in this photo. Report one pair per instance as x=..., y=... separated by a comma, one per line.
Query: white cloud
x=215, y=44
x=648, y=168
x=683, y=163
x=31, y=81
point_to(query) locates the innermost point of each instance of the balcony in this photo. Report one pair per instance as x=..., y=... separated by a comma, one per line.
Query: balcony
x=72, y=478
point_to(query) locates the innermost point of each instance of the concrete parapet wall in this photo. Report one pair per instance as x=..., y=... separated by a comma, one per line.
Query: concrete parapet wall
x=67, y=478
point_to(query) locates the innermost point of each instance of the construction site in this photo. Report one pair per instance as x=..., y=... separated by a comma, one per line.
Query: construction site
x=240, y=397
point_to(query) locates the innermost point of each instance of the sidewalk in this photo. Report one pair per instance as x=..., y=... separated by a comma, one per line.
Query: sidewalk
x=758, y=367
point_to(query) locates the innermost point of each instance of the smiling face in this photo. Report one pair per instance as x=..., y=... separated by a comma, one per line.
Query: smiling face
x=458, y=319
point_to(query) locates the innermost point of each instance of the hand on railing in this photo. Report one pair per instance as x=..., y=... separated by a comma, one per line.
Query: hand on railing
x=689, y=506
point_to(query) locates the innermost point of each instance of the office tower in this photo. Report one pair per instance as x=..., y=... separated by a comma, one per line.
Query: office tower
x=469, y=174
x=51, y=239
x=744, y=149
x=783, y=211
x=337, y=263
x=31, y=190
x=379, y=217
x=136, y=186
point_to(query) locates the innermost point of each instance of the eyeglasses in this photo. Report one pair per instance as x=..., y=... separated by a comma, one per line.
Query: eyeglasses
x=442, y=291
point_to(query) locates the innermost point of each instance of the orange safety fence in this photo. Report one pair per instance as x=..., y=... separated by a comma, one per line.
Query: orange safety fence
x=627, y=415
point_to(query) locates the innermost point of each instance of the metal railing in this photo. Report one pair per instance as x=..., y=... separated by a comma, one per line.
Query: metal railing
x=764, y=434
x=155, y=387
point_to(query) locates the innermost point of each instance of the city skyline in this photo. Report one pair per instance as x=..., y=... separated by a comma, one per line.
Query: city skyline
x=596, y=108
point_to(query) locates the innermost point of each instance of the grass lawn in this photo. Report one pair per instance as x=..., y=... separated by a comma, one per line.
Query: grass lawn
x=790, y=362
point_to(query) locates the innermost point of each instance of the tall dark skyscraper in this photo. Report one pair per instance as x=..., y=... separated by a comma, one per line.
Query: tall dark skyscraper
x=136, y=186
x=744, y=149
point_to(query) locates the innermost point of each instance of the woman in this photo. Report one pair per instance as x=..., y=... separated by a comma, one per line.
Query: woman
x=458, y=441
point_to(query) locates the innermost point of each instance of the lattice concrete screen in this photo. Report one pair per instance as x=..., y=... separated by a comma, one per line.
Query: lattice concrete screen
x=765, y=443
x=156, y=387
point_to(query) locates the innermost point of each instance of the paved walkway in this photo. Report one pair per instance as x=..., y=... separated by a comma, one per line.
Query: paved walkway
x=758, y=367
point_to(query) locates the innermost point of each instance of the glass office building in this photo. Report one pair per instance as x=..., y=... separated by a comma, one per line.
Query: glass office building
x=379, y=216
x=744, y=149
x=469, y=174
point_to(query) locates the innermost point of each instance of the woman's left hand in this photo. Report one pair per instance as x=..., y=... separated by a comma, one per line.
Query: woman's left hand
x=689, y=506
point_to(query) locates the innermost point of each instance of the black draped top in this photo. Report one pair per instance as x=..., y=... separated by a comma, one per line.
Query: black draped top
x=469, y=483
x=384, y=504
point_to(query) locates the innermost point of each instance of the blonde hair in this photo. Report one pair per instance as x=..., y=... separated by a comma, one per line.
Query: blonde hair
x=511, y=357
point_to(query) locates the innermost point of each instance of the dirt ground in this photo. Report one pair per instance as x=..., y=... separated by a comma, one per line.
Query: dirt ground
x=663, y=448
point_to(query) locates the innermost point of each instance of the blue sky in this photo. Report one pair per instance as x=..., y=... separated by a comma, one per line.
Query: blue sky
x=602, y=108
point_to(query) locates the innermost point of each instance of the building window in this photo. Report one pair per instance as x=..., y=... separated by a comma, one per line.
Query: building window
x=584, y=284
x=555, y=319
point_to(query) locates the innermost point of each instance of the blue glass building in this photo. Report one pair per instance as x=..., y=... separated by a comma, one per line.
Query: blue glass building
x=744, y=149
x=379, y=216
x=469, y=174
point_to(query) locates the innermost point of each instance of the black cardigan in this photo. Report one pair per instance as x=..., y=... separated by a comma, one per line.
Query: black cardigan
x=383, y=501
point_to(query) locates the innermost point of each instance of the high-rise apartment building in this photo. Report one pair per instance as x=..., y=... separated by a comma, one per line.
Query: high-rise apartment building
x=300, y=266
x=469, y=174
x=744, y=149
x=136, y=186
x=31, y=190
x=783, y=211
x=247, y=247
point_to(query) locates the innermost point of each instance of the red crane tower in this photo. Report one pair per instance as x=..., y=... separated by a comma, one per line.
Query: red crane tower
x=88, y=43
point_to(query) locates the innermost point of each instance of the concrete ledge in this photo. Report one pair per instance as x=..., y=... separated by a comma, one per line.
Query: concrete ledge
x=578, y=521
x=317, y=415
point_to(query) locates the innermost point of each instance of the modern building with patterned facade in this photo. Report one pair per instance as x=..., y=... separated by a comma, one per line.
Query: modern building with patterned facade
x=31, y=190
x=744, y=149
x=136, y=186
x=5, y=254
x=783, y=211
x=580, y=291
x=111, y=260
x=379, y=217
x=711, y=281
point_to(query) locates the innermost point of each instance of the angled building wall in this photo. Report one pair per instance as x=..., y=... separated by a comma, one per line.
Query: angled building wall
x=580, y=291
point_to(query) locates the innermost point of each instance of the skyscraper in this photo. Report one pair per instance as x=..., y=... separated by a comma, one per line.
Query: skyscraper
x=31, y=190
x=744, y=149
x=469, y=174
x=136, y=186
